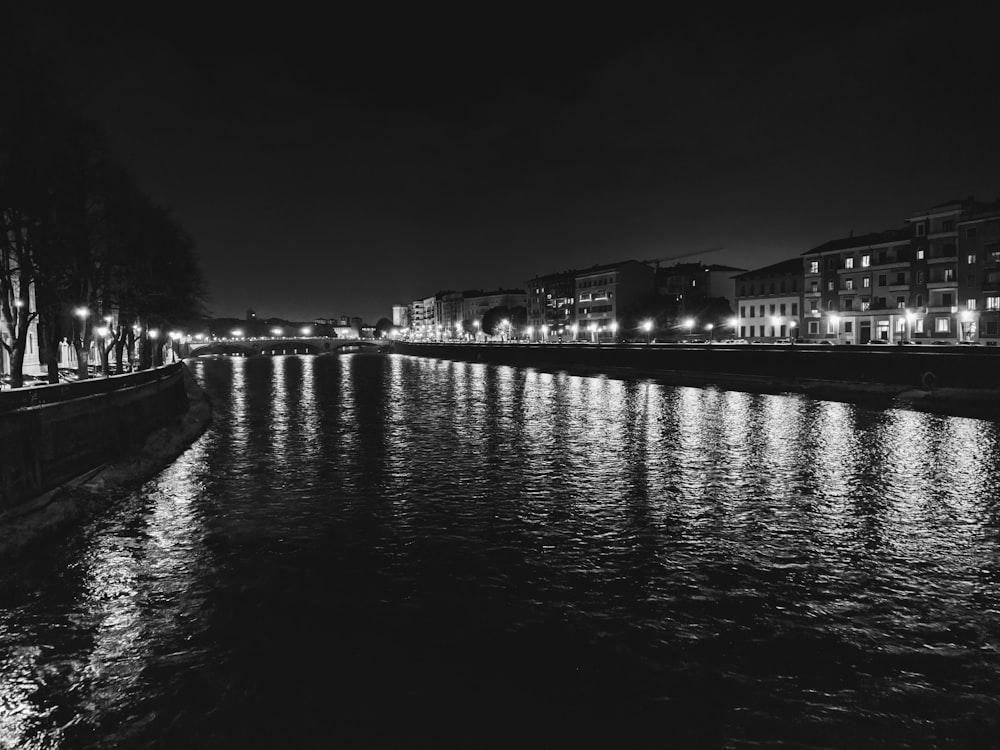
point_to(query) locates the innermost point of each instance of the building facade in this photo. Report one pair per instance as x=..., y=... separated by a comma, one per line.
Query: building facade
x=606, y=294
x=768, y=302
x=551, y=303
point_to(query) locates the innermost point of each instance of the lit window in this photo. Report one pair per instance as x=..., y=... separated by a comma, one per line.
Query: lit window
x=993, y=303
x=942, y=325
x=971, y=260
x=918, y=325
x=920, y=253
x=970, y=304
x=866, y=282
x=814, y=266
x=866, y=260
x=849, y=284
x=848, y=262
x=921, y=229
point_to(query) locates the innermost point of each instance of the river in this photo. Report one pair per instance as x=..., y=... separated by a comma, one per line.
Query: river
x=386, y=551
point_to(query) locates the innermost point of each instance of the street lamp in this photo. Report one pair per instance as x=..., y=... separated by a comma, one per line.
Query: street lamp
x=647, y=326
x=689, y=324
x=530, y=331
x=614, y=330
x=775, y=322
x=791, y=331
x=835, y=322
x=711, y=331
x=734, y=323
x=306, y=330
x=910, y=317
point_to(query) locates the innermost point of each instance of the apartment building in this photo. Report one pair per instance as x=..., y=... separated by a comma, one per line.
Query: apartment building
x=605, y=294
x=979, y=275
x=551, y=302
x=475, y=304
x=769, y=301
x=688, y=287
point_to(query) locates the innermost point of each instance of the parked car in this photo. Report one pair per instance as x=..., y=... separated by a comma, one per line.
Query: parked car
x=877, y=342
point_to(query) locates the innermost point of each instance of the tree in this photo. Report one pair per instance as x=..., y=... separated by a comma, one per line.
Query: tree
x=382, y=328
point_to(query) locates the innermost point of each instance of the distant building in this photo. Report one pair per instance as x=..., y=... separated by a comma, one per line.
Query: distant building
x=605, y=294
x=475, y=304
x=769, y=301
x=448, y=312
x=551, y=302
x=401, y=316
x=689, y=287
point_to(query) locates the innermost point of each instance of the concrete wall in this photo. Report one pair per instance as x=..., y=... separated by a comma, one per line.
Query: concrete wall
x=70, y=429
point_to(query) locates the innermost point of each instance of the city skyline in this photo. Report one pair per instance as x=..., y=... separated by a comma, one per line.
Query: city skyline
x=330, y=171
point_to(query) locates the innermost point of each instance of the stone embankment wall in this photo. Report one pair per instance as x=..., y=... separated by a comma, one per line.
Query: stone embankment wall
x=51, y=434
x=904, y=366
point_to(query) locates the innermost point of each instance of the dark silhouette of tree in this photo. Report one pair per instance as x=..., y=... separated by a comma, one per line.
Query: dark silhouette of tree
x=382, y=327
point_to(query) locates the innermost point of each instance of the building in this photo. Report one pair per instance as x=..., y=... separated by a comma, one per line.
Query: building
x=979, y=275
x=423, y=318
x=605, y=295
x=768, y=302
x=401, y=316
x=689, y=288
x=475, y=304
x=551, y=303
x=448, y=313
x=859, y=288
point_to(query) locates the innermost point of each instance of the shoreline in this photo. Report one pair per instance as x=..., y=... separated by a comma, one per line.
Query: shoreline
x=93, y=490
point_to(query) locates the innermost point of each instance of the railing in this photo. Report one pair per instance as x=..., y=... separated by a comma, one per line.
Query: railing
x=20, y=398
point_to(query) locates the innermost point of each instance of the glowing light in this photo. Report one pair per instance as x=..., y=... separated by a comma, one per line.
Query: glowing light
x=81, y=312
x=306, y=330
x=154, y=333
x=102, y=331
x=277, y=331
x=647, y=325
x=236, y=332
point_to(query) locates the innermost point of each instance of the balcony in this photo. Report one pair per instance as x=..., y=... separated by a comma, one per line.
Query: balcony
x=942, y=284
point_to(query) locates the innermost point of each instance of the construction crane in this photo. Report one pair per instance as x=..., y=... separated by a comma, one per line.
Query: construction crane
x=657, y=261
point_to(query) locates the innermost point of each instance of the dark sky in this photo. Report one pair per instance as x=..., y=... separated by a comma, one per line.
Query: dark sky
x=334, y=164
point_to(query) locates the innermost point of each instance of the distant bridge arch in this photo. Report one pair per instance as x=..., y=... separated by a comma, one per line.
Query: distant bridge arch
x=277, y=345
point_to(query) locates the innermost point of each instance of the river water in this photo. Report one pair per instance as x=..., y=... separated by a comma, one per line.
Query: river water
x=384, y=551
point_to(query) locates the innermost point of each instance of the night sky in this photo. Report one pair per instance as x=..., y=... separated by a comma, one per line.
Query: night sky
x=335, y=164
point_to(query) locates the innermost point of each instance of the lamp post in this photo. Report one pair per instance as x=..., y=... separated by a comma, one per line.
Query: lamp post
x=775, y=322
x=476, y=324
x=647, y=326
x=734, y=323
x=910, y=317
x=711, y=332
x=791, y=331
x=689, y=324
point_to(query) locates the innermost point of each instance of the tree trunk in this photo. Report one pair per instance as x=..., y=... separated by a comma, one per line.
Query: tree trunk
x=48, y=347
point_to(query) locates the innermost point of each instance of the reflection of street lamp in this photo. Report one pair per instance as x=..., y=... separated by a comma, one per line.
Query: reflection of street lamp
x=647, y=326
x=835, y=322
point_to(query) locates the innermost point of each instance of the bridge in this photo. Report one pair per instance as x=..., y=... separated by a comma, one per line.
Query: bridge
x=274, y=345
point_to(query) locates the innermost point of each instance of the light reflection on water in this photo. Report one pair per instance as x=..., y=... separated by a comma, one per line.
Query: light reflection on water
x=449, y=543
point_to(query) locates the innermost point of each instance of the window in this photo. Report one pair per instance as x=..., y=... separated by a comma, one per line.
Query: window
x=848, y=303
x=814, y=305
x=752, y=329
x=920, y=300
x=772, y=309
x=814, y=266
x=882, y=257
x=849, y=284
x=753, y=289
x=743, y=332
x=848, y=326
x=900, y=302
x=942, y=325
x=865, y=305
x=866, y=282
x=795, y=308
x=743, y=311
x=918, y=325
x=900, y=325
x=949, y=274
x=993, y=303
x=781, y=309
x=882, y=279
x=920, y=253
x=921, y=229
x=970, y=304
x=900, y=278
x=971, y=260
x=694, y=282
x=920, y=277
x=761, y=311
x=866, y=260
x=829, y=286
x=814, y=286
x=814, y=327
x=781, y=286
x=947, y=300
x=948, y=225
x=831, y=327
x=849, y=262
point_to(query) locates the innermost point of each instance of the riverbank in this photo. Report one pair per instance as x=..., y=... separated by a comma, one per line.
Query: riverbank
x=955, y=383
x=90, y=491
